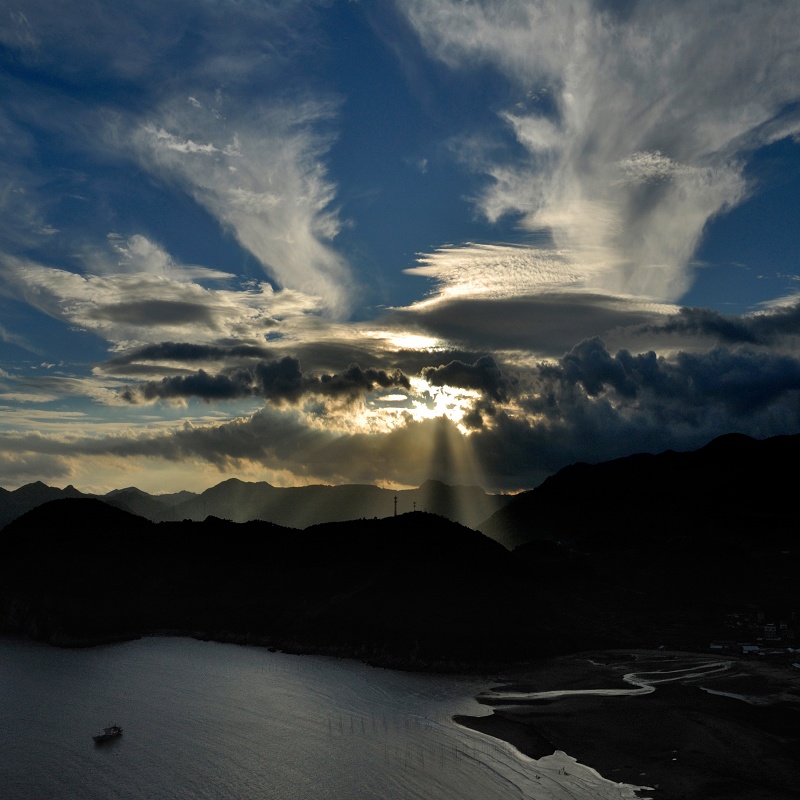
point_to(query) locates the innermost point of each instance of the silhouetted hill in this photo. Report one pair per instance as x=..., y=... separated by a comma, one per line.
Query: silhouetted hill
x=66, y=520
x=135, y=501
x=232, y=499
x=733, y=483
x=15, y=503
x=411, y=590
x=413, y=587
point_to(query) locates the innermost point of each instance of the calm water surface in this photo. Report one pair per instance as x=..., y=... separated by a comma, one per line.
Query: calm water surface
x=208, y=720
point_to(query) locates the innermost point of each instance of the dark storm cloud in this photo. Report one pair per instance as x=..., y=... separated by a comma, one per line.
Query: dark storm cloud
x=153, y=312
x=740, y=381
x=484, y=376
x=357, y=380
x=408, y=454
x=276, y=381
x=199, y=384
x=755, y=329
x=589, y=405
x=594, y=406
x=186, y=351
x=476, y=417
x=280, y=439
x=544, y=323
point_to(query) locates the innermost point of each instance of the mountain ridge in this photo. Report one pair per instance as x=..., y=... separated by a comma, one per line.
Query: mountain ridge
x=732, y=482
x=296, y=507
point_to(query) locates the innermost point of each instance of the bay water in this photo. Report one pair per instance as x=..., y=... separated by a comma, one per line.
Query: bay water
x=210, y=720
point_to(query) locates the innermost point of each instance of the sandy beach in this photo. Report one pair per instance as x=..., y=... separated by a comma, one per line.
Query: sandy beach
x=690, y=726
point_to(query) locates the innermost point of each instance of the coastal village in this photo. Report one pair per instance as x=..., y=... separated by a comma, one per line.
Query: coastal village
x=766, y=634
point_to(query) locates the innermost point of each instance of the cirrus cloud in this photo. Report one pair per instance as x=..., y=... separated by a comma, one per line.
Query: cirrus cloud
x=647, y=122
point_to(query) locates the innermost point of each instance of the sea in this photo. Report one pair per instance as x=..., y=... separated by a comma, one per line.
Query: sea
x=229, y=722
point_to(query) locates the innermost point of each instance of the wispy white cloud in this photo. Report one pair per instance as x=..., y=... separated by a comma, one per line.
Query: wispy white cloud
x=162, y=304
x=496, y=271
x=257, y=166
x=170, y=142
x=17, y=32
x=652, y=167
x=13, y=338
x=653, y=112
x=528, y=301
x=23, y=211
x=262, y=176
x=137, y=254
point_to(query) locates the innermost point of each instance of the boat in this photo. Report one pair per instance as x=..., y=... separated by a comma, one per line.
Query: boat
x=111, y=732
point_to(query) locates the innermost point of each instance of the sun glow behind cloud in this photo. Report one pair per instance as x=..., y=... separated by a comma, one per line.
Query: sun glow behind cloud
x=410, y=341
x=383, y=412
x=434, y=402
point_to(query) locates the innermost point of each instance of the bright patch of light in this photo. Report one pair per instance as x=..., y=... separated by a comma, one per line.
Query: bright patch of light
x=382, y=413
x=413, y=341
x=367, y=418
x=441, y=401
x=405, y=341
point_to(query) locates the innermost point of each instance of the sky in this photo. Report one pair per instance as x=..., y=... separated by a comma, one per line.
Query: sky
x=321, y=241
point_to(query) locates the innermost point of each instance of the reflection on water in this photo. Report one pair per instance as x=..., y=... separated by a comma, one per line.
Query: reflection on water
x=206, y=720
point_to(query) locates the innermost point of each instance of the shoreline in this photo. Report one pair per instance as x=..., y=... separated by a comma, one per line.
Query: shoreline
x=518, y=734
x=683, y=741
x=732, y=735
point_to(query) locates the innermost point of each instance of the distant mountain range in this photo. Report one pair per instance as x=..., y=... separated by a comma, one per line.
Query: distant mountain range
x=297, y=507
x=735, y=481
x=640, y=551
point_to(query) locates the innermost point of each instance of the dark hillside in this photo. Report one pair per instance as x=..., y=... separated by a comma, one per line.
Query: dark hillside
x=641, y=551
x=733, y=483
x=15, y=503
x=71, y=568
x=404, y=589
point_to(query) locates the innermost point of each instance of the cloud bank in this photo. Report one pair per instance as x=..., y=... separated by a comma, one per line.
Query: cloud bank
x=276, y=381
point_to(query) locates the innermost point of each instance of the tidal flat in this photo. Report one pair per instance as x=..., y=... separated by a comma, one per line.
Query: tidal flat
x=688, y=726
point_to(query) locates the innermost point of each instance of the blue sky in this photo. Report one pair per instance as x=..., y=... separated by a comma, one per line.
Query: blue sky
x=333, y=242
